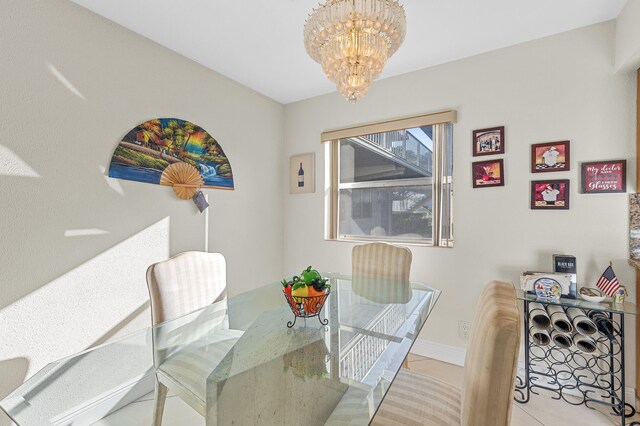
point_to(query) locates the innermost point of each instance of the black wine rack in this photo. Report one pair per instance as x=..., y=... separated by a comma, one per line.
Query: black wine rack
x=576, y=377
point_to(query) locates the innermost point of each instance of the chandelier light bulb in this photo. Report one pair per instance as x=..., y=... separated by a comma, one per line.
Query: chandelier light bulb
x=352, y=40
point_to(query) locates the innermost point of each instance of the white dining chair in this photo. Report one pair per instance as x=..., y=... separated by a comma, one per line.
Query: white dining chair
x=381, y=273
x=489, y=377
x=381, y=260
x=184, y=355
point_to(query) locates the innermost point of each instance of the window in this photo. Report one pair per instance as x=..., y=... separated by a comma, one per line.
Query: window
x=392, y=181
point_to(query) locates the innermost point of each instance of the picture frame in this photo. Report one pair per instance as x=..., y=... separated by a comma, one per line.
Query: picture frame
x=302, y=178
x=487, y=174
x=550, y=157
x=552, y=194
x=604, y=177
x=489, y=141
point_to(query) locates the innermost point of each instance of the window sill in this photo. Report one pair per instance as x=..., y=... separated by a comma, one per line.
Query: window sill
x=364, y=240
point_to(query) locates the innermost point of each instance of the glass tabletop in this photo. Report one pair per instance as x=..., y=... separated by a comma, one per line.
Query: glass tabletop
x=66, y=388
x=309, y=373
x=608, y=306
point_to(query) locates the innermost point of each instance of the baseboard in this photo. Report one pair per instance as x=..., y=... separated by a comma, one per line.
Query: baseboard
x=630, y=397
x=102, y=405
x=441, y=352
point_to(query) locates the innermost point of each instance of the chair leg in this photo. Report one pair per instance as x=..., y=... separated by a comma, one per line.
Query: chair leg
x=161, y=396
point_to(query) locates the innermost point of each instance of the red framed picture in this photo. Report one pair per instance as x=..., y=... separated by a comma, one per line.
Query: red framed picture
x=488, y=141
x=487, y=173
x=550, y=157
x=601, y=177
x=550, y=194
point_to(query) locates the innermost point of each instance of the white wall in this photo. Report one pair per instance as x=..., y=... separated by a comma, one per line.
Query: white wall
x=556, y=88
x=628, y=37
x=72, y=84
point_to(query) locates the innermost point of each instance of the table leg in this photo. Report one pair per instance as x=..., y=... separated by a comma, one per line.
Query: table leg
x=622, y=373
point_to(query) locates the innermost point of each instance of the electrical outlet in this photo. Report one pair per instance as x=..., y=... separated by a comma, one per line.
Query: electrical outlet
x=464, y=328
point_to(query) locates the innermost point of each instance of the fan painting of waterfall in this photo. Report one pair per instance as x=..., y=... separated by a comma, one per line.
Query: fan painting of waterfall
x=147, y=149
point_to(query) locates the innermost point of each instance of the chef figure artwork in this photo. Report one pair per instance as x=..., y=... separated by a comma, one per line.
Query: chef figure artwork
x=550, y=157
x=550, y=194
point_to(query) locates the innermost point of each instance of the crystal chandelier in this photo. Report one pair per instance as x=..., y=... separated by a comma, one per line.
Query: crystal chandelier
x=352, y=40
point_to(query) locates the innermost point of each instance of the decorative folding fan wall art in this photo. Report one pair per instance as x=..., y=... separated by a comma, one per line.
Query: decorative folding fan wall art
x=172, y=152
x=184, y=178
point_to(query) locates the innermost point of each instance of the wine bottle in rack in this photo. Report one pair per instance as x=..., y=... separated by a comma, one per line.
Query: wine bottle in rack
x=604, y=323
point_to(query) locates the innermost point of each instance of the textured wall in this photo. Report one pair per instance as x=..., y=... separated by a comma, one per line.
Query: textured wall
x=72, y=84
x=628, y=37
x=556, y=88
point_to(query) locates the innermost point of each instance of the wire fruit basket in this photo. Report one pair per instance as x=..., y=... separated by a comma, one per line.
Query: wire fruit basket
x=307, y=307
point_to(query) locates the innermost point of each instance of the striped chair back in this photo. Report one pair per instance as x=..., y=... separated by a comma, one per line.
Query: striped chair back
x=186, y=282
x=492, y=358
x=381, y=260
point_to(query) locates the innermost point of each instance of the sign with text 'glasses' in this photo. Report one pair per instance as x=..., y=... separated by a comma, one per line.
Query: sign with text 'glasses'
x=604, y=177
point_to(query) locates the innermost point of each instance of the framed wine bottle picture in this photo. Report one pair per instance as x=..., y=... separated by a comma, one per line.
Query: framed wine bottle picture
x=302, y=177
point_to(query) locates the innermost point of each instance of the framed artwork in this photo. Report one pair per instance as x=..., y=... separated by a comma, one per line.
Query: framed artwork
x=488, y=141
x=550, y=194
x=550, y=157
x=601, y=177
x=487, y=173
x=302, y=176
x=157, y=150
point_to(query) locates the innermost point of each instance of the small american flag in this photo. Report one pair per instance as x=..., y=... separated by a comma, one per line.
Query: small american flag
x=608, y=282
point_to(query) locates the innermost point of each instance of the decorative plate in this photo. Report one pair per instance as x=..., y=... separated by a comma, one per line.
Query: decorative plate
x=547, y=288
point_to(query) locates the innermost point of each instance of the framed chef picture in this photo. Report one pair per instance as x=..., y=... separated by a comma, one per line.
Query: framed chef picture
x=601, y=177
x=550, y=157
x=550, y=194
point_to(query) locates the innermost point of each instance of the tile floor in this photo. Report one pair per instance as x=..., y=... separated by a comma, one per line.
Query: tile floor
x=539, y=411
x=140, y=413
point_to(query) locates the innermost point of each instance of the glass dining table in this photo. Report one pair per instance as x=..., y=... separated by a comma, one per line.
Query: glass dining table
x=272, y=374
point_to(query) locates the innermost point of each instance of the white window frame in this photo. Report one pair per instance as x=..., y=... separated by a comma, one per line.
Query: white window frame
x=438, y=181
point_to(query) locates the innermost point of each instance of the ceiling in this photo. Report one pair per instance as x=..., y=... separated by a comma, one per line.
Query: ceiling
x=258, y=43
